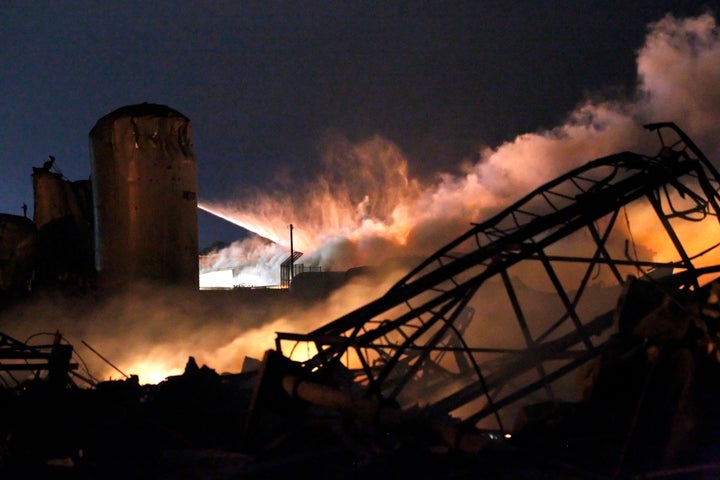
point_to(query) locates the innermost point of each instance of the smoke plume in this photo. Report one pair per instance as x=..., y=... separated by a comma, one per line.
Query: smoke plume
x=366, y=209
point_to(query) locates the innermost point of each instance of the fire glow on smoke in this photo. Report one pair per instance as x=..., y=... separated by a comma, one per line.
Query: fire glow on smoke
x=366, y=208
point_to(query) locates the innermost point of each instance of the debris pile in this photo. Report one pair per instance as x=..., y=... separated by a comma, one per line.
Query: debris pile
x=648, y=402
x=647, y=406
x=543, y=343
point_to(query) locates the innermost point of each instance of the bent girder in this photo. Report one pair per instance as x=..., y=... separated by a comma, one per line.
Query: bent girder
x=401, y=338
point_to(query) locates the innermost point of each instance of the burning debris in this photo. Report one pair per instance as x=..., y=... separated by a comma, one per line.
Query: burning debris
x=543, y=343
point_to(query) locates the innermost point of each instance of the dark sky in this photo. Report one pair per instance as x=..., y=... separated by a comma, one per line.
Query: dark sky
x=264, y=81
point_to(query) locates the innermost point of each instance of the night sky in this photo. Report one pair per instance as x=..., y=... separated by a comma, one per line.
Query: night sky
x=264, y=82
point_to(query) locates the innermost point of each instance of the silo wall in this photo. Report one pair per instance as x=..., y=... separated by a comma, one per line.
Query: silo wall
x=18, y=243
x=63, y=217
x=144, y=179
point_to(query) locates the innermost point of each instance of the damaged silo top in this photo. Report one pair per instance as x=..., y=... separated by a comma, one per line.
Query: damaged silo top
x=145, y=193
x=138, y=110
x=146, y=110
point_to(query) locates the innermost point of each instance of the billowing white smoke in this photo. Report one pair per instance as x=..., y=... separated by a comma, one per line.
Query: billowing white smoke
x=354, y=210
x=365, y=208
x=253, y=262
x=679, y=71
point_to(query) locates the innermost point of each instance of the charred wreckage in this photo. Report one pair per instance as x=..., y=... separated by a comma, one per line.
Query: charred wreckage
x=542, y=343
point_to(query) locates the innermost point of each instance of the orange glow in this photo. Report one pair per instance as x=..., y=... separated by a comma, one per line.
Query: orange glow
x=357, y=197
x=367, y=208
x=695, y=236
x=423, y=227
x=361, y=210
x=337, y=234
x=154, y=371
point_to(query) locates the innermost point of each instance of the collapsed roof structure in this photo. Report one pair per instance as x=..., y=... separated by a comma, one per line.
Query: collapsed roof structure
x=417, y=341
x=515, y=328
x=467, y=333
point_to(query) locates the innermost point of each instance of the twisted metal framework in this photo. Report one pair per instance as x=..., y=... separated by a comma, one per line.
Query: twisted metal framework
x=463, y=333
x=18, y=357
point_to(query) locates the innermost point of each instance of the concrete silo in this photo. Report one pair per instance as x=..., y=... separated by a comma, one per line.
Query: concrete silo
x=144, y=178
x=63, y=217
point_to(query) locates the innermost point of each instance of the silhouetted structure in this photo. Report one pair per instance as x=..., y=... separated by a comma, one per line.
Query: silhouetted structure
x=145, y=196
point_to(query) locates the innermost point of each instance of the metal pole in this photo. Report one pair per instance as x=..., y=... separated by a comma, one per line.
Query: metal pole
x=105, y=359
x=292, y=254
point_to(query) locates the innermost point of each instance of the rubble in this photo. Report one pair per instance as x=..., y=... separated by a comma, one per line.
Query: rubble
x=649, y=406
x=469, y=367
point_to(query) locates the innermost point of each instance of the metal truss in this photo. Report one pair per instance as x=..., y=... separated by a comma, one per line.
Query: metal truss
x=506, y=311
x=51, y=362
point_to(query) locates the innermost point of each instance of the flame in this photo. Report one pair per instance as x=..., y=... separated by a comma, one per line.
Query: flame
x=153, y=371
x=365, y=207
x=360, y=196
